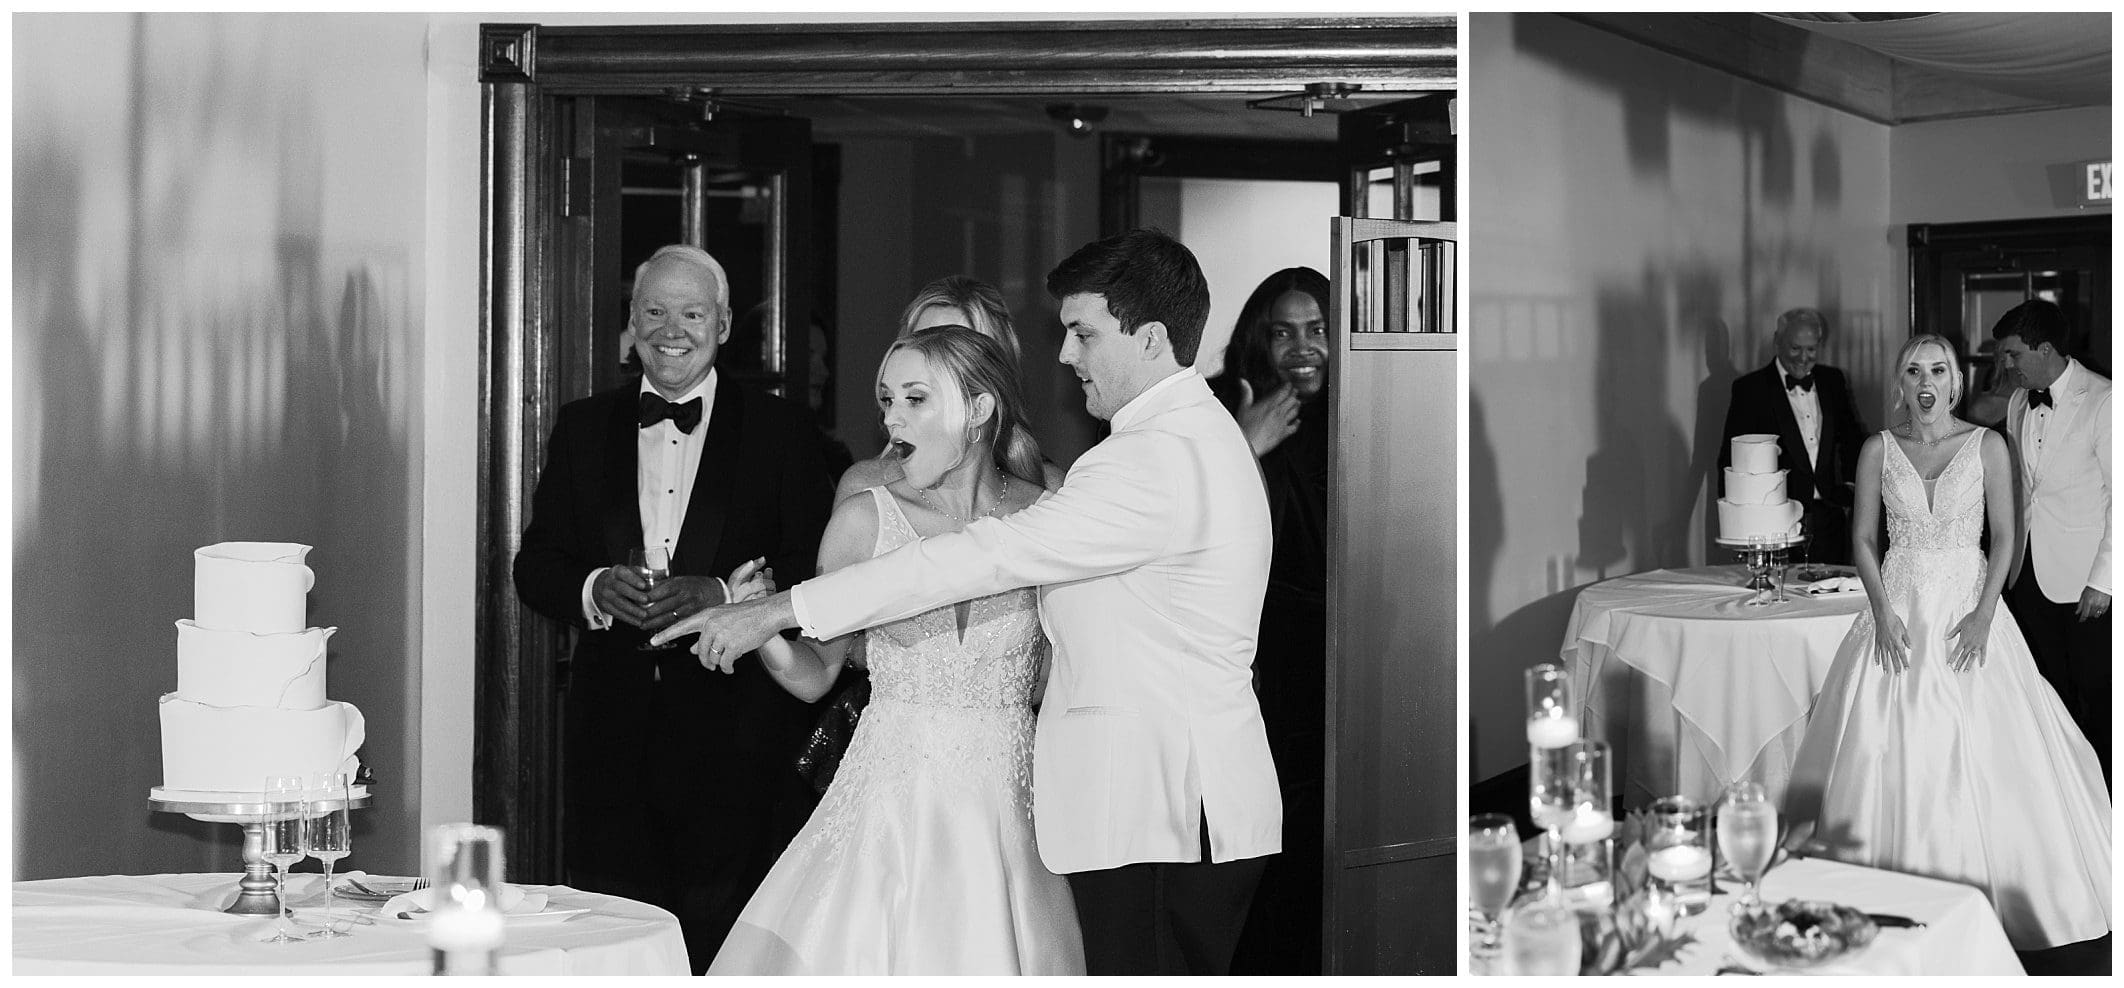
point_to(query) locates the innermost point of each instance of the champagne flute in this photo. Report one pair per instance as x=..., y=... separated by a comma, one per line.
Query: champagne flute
x=328, y=837
x=1747, y=836
x=1493, y=875
x=281, y=844
x=654, y=562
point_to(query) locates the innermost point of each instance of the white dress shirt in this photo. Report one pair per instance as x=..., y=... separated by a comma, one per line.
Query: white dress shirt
x=1807, y=410
x=666, y=461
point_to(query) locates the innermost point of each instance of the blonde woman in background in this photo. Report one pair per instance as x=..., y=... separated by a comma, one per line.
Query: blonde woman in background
x=956, y=300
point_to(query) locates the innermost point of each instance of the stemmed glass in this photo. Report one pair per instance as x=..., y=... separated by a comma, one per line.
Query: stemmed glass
x=1747, y=836
x=329, y=838
x=1552, y=727
x=1493, y=875
x=1542, y=938
x=282, y=843
x=655, y=564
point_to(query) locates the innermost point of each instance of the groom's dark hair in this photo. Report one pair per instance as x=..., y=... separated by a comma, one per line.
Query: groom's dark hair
x=2036, y=321
x=1146, y=276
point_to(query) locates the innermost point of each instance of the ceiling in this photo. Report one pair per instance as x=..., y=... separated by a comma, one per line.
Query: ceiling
x=1895, y=68
x=2053, y=57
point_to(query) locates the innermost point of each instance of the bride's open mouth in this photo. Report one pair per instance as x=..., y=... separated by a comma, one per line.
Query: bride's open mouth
x=1926, y=399
x=901, y=448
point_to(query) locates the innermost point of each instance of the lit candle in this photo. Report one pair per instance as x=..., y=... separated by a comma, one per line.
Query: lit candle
x=1552, y=732
x=1588, y=825
x=1680, y=863
x=465, y=930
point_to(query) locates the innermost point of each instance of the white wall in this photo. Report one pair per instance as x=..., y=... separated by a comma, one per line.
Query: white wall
x=1641, y=222
x=1242, y=231
x=218, y=320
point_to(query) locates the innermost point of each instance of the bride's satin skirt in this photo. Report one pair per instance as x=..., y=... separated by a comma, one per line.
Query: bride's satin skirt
x=1977, y=777
x=919, y=860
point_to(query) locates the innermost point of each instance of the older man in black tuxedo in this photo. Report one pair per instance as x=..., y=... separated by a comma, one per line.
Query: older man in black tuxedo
x=679, y=786
x=1807, y=405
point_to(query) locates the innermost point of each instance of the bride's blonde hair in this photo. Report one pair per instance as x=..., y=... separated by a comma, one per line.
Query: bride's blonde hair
x=1898, y=411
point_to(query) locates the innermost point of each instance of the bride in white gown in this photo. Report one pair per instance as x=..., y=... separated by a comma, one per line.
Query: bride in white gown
x=1935, y=748
x=920, y=856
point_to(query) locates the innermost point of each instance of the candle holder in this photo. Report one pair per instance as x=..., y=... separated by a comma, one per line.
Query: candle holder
x=1587, y=862
x=465, y=875
x=1678, y=854
x=1552, y=727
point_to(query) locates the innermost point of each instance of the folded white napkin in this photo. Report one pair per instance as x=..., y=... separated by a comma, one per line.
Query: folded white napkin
x=1837, y=584
x=513, y=901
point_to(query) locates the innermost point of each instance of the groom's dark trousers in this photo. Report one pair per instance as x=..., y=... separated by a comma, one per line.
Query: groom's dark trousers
x=2073, y=655
x=1166, y=917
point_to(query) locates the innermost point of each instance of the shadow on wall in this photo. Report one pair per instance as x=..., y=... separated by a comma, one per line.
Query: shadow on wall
x=204, y=373
x=1719, y=205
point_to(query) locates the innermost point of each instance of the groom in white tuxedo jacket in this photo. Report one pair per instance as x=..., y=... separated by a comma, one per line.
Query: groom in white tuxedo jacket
x=1153, y=789
x=2058, y=425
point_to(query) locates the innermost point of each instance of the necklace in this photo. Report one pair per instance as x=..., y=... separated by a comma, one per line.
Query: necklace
x=1002, y=489
x=1925, y=443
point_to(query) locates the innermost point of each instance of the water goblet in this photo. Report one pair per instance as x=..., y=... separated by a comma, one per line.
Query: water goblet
x=654, y=562
x=330, y=838
x=1541, y=938
x=1747, y=836
x=1493, y=875
x=282, y=843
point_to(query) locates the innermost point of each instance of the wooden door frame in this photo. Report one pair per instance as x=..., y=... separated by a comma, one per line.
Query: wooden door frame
x=525, y=67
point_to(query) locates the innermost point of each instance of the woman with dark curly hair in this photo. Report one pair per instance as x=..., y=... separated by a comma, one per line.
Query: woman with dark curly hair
x=1275, y=381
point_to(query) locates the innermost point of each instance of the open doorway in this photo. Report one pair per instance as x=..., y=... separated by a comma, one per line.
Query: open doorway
x=1000, y=190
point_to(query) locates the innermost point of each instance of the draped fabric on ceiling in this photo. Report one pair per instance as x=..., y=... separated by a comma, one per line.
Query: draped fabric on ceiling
x=2055, y=57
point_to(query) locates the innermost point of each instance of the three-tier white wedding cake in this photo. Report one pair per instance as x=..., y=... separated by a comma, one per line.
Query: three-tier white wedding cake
x=1755, y=508
x=250, y=701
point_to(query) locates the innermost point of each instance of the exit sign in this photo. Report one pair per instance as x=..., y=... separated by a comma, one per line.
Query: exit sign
x=2095, y=184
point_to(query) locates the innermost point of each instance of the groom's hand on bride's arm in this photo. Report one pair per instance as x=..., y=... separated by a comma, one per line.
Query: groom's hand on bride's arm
x=731, y=630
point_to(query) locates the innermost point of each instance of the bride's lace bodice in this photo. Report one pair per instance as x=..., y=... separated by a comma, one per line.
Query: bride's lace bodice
x=1926, y=520
x=950, y=718
x=1948, y=513
x=923, y=659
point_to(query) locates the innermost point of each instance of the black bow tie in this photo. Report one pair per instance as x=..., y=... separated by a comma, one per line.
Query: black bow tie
x=1802, y=383
x=654, y=409
x=2039, y=397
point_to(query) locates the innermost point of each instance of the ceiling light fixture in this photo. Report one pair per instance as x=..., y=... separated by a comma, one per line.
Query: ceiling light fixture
x=1079, y=118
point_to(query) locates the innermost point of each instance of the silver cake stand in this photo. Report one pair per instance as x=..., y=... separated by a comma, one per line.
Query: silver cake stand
x=1761, y=555
x=256, y=896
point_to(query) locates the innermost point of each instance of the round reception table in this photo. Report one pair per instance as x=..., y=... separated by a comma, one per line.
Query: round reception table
x=1692, y=687
x=171, y=924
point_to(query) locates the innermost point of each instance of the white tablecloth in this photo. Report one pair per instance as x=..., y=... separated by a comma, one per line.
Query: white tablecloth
x=170, y=924
x=1692, y=687
x=1961, y=934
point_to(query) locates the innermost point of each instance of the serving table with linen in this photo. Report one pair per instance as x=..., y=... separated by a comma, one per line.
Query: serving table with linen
x=172, y=924
x=1961, y=934
x=1694, y=688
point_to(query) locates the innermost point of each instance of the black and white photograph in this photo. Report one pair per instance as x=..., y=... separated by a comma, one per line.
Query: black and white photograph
x=746, y=493
x=1788, y=468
